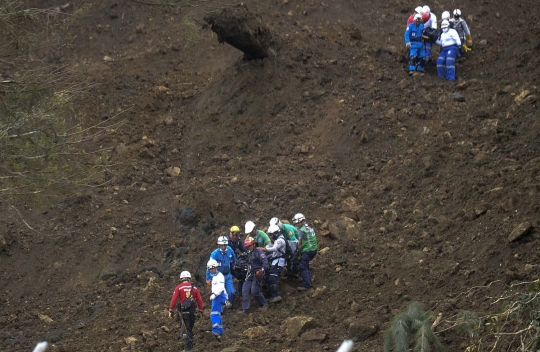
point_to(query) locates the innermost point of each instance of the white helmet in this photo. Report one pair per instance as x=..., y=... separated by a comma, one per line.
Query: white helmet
x=445, y=15
x=222, y=240
x=419, y=9
x=212, y=263
x=273, y=229
x=250, y=225
x=418, y=17
x=276, y=221
x=426, y=9
x=445, y=24
x=457, y=13
x=298, y=218
x=185, y=275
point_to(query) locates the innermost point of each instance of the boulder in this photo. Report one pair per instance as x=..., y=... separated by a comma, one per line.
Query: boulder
x=359, y=331
x=520, y=231
x=295, y=326
x=255, y=332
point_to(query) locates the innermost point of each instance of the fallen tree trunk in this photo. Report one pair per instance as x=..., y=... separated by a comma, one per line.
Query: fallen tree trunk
x=243, y=30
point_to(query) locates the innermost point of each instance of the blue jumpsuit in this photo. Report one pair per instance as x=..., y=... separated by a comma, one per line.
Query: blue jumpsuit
x=217, y=303
x=413, y=35
x=225, y=261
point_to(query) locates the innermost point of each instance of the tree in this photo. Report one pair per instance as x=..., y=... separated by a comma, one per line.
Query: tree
x=45, y=150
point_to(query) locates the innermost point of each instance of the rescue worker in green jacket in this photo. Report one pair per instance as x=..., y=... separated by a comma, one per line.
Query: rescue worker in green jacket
x=307, y=244
x=260, y=237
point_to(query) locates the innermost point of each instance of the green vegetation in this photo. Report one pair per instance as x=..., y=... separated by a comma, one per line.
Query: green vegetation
x=412, y=327
x=45, y=150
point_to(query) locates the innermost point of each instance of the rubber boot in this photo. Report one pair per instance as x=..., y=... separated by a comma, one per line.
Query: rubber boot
x=231, y=299
x=274, y=293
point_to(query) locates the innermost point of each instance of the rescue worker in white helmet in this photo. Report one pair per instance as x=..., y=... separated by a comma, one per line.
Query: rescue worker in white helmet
x=186, y=298
x=451, y=45
x=417, y=11
x=276, y=258
x=218, y=297
x=260, y=237
x=415, y=45
x=307, y=243
x=290, y=233
x=226, y=258
x=463, y=30
x=430, y=29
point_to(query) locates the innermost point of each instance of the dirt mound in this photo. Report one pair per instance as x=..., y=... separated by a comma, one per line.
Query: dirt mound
x=414, y=184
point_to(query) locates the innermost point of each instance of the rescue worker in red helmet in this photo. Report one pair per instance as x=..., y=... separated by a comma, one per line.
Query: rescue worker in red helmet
x=257, y=262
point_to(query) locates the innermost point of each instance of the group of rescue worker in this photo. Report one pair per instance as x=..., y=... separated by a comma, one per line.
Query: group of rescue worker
x=257, y=263
x=422, y=32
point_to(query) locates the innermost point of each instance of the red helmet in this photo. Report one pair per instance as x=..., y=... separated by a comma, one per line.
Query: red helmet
x=249, y=241
x=425, y=17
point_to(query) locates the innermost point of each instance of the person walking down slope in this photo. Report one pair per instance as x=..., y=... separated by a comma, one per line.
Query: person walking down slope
x=218, y=297
x=257, y=261
x=463, y=30
x=277, y=262
x=451, y=45
x=260, y=237
x=225, y=257
x=307, y=244
x=413, y=41
x=237, y=270
x=185, y=300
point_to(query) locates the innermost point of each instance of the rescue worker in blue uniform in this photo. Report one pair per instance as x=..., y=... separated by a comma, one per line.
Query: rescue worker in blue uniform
x=413, y=41
x=252, y=287
x=225, y=257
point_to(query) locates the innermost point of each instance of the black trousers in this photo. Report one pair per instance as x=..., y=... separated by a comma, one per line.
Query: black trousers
x=188, y=317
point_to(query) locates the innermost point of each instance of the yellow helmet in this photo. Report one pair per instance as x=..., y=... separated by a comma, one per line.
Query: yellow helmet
x=235, y=229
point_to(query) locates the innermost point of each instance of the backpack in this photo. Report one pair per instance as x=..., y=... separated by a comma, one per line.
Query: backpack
x=288, y=251
x=242, y=263
x=188, y=302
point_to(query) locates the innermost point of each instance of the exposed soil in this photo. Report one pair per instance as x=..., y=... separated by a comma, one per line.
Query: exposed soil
x=425, y=179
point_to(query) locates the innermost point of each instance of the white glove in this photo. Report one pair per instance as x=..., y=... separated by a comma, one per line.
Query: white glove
x=212, y=297
x=170, y=314
x=228, y=304
x=408, y=45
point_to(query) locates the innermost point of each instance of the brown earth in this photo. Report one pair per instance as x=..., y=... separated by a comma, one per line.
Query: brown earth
x=419, y=189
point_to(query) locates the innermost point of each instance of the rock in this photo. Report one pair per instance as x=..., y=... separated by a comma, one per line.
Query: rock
x=185, y=216
x=107, y=58
x=325, y=233
x=519, y=99
x=319, y=291
x=456, y=97
x=295, y=326
x=131, y=340
x=255, y=332
x=483, y=42
x=146, y=154
x=520, y=231
x=173, y=171
x=45, y=318
x=324, y=250
x=359, y=331
x=315, y=335
x=350, y=204
x=168, y=120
